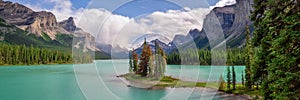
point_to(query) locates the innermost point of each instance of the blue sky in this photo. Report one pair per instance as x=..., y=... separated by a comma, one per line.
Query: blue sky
x=142, y=7
x=48, y=5
x=125, y=7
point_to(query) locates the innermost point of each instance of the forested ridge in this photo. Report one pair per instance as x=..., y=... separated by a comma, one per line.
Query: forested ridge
x=18, y=47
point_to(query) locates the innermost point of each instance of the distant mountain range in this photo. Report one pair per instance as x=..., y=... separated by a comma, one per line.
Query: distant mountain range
x=233, y=20
x=20, y=25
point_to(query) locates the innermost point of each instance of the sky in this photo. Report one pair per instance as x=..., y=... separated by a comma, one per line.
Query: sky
x=122, y=22
x=48, y=4
x=129, y=9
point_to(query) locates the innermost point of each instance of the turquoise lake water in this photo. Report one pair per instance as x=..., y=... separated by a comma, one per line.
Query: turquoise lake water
x=98, y=81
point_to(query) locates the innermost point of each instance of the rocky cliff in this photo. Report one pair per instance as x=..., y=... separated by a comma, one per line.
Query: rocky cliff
x=80, y=36
x=234, y=20
x=29, y=20
x=231, y=20
x=68, y=24
x=41, y=23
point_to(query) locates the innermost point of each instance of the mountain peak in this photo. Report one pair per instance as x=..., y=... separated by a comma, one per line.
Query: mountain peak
x=194, y=33
x=71, y=19
x=68, y=24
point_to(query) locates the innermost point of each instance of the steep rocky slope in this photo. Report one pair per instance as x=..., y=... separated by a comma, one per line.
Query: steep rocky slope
x=11, y=34
x=233, y=21
x=235, y=35
x=80, y=37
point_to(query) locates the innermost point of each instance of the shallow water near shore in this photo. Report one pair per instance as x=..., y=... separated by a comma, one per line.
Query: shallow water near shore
x=59, y=82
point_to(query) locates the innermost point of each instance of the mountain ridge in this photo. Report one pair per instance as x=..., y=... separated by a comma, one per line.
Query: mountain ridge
x=23, y=26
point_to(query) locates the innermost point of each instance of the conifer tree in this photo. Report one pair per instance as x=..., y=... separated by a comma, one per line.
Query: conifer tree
x=243, y=80
x=130, y=62
x=233, y=78
x=160, y=61
x=143, y=65
x=228, y=78
x=149, y=65
x=248, y=58
x=135, y=62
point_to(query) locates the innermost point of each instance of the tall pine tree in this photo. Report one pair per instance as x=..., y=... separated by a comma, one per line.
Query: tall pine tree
x=228, y=78
x=233, y=78
x=143, y=65
x=130, y=62
x=135, y=62
x=248, y=59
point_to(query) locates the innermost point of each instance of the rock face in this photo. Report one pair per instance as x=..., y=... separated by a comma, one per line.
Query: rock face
x=226, y=16
x=81, y=38
x=43, y=22
x=195, y=37
x=15, y=13
x=233, y=21
x=29, y=20
x=68, y=24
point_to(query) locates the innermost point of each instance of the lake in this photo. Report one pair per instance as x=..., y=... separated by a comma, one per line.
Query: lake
x=98, y=81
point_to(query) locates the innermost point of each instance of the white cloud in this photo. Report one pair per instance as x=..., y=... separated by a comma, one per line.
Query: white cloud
x=62, y=9
x=223, y=3
x=120, y=30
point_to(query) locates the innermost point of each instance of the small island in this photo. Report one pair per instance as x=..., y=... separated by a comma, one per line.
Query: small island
x=147, y=71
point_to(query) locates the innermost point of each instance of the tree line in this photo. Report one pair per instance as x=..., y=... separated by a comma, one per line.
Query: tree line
x=149, y=64
x=204, y=56
x=20, y=55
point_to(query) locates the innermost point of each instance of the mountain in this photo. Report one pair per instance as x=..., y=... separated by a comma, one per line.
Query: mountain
x=152, y=45
x=29, y=20
x=194, y=37
x=11, y=34
x=80, y=36
x=225, y=24
x=21, y=25
x=116, y=52
x=233, y=20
